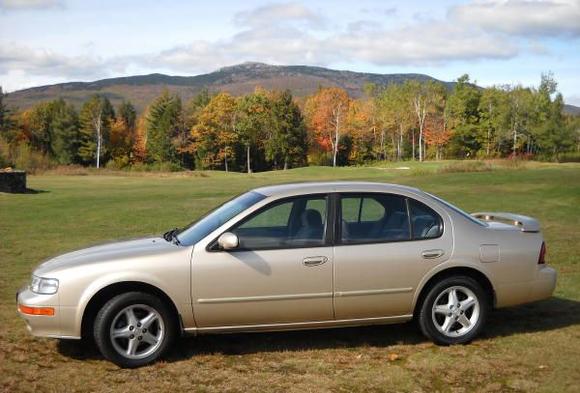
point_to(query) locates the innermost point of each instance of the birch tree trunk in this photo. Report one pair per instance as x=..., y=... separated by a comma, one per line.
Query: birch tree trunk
x=248, y=158
x=336, y=137
x=421, y=112
x=515, y=141
x=489, y=130
x=383, y=146
x=413, y=144
x=399, y=142
x=98, y=125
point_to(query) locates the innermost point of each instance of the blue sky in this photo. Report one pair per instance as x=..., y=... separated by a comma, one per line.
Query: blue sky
x=495, y=41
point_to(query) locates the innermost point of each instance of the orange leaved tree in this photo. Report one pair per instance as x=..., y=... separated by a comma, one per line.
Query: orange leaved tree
x=326, y=112
x=436, y=133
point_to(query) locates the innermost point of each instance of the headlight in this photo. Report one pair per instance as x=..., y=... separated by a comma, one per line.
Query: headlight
x=44, y=286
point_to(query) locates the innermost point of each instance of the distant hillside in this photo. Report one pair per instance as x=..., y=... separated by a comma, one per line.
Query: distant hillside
x=572, y=110
x=238, y=79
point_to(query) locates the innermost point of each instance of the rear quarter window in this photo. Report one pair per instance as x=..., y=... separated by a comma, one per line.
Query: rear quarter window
x=425, y=222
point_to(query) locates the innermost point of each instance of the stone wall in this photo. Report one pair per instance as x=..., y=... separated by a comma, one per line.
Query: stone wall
x=13, y=181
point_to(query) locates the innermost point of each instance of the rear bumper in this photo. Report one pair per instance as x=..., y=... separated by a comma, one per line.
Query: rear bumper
x=545, y=283
x=41, y=325
x=541, y=287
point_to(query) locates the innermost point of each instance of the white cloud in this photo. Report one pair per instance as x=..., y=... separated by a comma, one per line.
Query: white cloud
x=367, y=41
x=391, y=11
x=522, y=17
x=283, y=13
x=573, y=100
x=426, y=44
x=30, y=4
x=291, y=33
x=31, y=61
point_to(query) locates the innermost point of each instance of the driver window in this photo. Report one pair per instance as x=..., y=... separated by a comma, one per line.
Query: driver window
x=296, y=222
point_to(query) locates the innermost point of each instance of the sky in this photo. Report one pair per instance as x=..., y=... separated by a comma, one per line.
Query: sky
x=494, y=41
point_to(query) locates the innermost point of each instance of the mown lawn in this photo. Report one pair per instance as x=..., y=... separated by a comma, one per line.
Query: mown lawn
x=529, y=348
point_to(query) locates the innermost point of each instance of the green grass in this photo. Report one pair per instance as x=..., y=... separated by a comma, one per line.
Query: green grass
x=528, y=348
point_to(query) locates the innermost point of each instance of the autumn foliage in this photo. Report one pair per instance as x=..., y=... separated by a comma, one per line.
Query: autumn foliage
x=327, y=111
x=267, y=130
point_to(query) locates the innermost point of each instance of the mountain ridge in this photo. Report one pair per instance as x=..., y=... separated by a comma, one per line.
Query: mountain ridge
x=236, y=79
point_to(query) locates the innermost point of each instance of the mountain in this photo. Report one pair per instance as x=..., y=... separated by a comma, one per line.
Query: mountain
x=239, y=79
x=572, y=110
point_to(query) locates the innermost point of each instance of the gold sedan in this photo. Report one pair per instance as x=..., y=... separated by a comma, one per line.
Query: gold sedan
x=296, y=256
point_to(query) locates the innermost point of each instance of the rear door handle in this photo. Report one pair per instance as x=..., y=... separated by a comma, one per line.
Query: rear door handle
x=314, y=261
x=432, y=254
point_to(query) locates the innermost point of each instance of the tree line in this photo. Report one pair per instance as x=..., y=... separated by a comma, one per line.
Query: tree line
x=268, y=130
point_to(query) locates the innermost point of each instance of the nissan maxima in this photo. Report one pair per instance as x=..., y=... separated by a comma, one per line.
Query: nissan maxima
x=294, y=256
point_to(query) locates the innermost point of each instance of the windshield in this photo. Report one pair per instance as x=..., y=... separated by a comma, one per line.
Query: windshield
x=216, y=218
x=458, y=210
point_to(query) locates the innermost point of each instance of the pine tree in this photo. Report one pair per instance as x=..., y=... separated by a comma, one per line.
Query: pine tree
x=64, y=128
x=288, y=143
x=462, y=109
x=5, y=118
x=164, y=121
x=127, y=113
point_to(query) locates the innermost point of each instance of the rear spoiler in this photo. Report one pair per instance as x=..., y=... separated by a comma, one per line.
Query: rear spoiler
x=527, y=224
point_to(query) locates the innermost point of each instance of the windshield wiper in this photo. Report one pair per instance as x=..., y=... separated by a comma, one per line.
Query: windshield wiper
x=171, y=236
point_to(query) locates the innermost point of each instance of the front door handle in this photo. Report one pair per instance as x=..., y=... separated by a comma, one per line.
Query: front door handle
x=432, y=254
x=314, y=261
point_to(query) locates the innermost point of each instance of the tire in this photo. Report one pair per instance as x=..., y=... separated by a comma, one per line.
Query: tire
x=134, y=329
x=443, y=322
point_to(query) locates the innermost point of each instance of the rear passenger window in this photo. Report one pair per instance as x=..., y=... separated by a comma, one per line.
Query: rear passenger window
x=425, y=222
x=373, y=218
x=371, y=210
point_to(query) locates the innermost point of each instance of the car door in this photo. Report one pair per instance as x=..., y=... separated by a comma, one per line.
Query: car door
x=280, y=273
x=385, y=244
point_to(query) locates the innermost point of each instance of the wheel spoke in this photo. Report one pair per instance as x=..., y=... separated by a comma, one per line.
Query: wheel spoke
x=121, y=333
x=148, y=320
x=467, y=303
x=132, y=347
x=150, y=339
x=464, y=321
x=447, y=324
x=453, y=300
x=440, y=309
x=137, y=331
x=131, y=318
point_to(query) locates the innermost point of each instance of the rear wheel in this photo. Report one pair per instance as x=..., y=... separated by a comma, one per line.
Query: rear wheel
x=134, y=329
x=454, y=311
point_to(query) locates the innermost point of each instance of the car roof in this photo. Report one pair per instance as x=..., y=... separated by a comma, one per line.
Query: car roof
x=337, y=186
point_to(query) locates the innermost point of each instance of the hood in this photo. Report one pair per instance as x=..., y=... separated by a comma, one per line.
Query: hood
x=107, y=253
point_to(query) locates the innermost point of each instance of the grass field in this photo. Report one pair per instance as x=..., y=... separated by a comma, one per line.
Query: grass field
x=529, y=348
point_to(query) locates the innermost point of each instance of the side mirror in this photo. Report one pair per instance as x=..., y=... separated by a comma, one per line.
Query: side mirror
x=228, y=241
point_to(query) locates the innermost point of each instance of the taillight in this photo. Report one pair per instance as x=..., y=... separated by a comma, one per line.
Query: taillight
x=542, y=258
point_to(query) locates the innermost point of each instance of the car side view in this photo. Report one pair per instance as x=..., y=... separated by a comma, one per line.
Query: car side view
x=294, y=256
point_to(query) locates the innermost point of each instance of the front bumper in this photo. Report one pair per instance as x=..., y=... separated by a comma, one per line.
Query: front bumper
x=43, y=325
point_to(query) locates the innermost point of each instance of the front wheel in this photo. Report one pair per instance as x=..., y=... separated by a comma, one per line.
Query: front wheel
x=134, y=329
x=454, y=311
